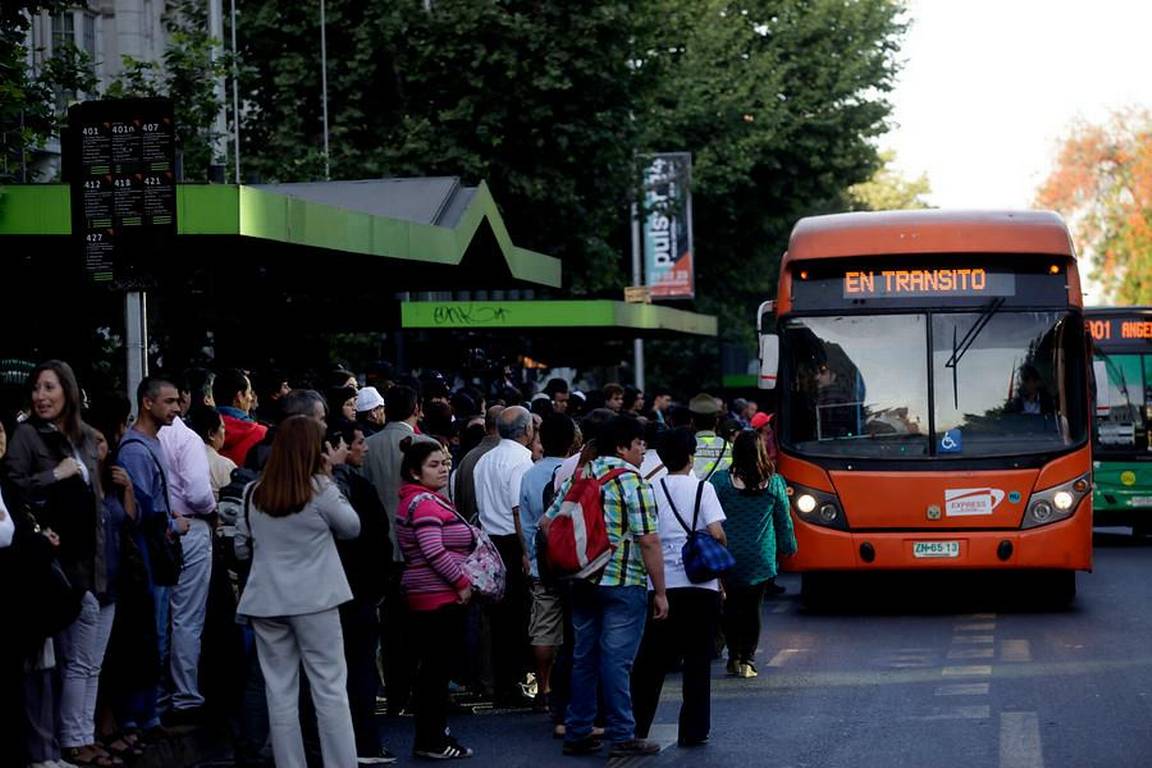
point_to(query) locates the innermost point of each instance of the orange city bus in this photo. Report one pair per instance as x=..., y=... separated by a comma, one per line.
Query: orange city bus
x=933, y=405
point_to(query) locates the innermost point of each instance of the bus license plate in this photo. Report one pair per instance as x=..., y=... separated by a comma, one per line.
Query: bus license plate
x=936, y=549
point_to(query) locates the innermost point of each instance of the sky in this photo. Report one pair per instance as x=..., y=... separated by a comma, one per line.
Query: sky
x=989, y=87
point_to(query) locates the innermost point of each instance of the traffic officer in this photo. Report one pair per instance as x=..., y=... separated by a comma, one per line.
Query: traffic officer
x=713, y=454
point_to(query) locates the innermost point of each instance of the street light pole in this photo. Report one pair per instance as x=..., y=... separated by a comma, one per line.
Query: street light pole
x=235, y=94
x=324, y=86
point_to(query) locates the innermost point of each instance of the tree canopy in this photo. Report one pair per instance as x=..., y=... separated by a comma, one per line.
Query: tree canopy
x=1102, y=182
x=550, y=102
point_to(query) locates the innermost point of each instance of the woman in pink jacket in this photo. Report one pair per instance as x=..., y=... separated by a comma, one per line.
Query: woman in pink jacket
x=435, y=540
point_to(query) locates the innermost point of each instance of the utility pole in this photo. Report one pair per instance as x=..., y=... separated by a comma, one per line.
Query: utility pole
x=235, y=93
x=637, y=279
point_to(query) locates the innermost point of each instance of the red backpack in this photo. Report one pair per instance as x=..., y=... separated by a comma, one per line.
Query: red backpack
x=578, y=545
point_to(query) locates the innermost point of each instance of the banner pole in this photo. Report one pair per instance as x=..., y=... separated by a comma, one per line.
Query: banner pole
x=637, y=279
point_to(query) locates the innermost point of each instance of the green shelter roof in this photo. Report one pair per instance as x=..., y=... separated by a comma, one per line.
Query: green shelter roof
x=417, y=220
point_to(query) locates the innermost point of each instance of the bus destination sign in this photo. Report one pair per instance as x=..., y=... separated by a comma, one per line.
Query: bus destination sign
x=1120, y=328
x=927, y=283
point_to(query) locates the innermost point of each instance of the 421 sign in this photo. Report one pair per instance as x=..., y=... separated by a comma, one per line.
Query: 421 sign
x=120, y=159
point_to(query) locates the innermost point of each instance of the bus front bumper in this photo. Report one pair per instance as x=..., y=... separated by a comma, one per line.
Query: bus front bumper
x=1065, y=545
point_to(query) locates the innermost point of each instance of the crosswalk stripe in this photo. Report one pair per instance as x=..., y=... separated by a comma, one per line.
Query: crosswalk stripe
x=964, y=689
x=1020, y=740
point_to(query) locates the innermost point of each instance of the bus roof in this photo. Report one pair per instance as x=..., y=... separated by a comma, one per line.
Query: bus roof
x=1117, y=311
x=929, y=231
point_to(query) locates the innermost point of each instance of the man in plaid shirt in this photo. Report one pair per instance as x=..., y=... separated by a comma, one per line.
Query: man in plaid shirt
x=608, y=614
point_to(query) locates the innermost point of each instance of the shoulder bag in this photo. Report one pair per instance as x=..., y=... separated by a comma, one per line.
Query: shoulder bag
x=483, y=566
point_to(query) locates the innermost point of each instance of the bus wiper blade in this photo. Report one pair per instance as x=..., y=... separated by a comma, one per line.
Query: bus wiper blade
x=961, y=348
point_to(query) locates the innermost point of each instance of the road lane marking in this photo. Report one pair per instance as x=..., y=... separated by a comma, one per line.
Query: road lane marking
x=982, y=626
x=1020, y=740
x=972, y=670
x=964, y=689
x=979, y=617
x=974, y=639
x=781, y=658
x=779, y=608
x=1016, y=650
x=968, y=712
x=971, y=653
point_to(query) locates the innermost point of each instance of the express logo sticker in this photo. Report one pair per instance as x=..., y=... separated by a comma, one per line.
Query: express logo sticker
x=968, y=502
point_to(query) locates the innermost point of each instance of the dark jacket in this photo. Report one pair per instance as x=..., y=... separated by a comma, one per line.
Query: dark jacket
x=71, y=508
x=364, y=558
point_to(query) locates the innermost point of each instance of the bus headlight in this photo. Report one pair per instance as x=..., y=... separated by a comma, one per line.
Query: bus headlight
x=1056, y=503
x=817, y=507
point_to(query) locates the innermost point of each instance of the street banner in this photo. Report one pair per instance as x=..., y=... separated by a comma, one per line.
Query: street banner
x=666, y=228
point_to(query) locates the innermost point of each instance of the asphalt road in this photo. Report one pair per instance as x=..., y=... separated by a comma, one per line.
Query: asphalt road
x=913, y=672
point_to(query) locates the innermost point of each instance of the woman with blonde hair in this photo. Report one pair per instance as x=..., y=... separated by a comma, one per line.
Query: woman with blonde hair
x=758, y=528
x=295, y=587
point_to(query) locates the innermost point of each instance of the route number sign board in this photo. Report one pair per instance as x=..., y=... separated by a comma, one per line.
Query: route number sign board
x=121, y=163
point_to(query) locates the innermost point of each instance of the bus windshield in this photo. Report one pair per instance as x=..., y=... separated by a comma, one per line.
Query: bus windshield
x=1122, y=402
x=999, y=382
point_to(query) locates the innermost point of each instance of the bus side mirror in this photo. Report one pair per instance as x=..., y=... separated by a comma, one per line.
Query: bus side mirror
x=769, y=360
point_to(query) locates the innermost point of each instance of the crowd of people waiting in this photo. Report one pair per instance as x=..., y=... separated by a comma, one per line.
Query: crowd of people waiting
x=182, y=568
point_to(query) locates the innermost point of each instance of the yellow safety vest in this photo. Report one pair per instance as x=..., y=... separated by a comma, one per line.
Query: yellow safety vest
x=713, y=454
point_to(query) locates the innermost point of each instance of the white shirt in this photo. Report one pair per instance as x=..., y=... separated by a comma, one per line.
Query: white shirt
x=673, y=537
x=189, y=482
x=497, y=478
x=7, y=527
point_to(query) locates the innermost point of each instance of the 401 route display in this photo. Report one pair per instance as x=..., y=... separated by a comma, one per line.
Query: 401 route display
x=121, y=162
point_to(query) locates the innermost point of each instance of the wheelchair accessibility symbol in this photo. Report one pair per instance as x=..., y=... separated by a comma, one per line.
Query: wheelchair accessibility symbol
x=952, y=442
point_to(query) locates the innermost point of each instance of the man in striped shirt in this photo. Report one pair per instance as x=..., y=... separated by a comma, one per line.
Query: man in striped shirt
x=608, y=613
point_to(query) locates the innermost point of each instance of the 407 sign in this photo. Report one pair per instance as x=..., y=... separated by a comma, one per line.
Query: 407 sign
x=120, y=160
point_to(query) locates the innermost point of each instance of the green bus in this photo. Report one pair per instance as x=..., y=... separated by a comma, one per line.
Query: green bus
x=1122, y=439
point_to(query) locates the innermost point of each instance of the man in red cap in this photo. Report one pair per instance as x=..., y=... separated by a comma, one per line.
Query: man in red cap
x=762, y=423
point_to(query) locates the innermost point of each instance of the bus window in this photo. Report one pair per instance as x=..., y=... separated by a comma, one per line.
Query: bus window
x=1013, y=390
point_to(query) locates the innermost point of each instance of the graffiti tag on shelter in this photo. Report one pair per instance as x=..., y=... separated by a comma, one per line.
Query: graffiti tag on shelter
x=469, y=314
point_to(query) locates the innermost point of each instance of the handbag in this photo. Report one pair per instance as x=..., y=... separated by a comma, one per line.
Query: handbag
x=704, y=557
x=46, y=601
x=165, y=552
x=483, y=566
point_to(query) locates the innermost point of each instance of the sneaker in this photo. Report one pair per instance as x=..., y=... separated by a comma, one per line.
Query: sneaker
x=773, y=589
x=382, y=757
x=585, y=746
x=733, y=667
x=452, y=750
x=746, y=669
x=634, y=748
x=693, y=742
x=559, y=730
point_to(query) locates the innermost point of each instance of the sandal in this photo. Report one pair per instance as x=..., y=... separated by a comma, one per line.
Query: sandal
x=91, y=755
x=122, y=745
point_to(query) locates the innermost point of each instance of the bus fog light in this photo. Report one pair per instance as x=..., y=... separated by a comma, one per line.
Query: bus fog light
x=1041, y=511
x=806, y=503
x=1062, y=500
x=828, y=512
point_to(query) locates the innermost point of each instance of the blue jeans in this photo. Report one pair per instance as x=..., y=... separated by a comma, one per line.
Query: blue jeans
x=608, y=623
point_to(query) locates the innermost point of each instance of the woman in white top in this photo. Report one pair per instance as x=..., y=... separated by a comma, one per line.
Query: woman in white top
x=209, y=425
x=689, y=632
